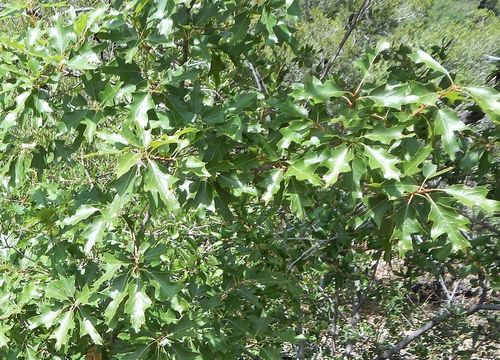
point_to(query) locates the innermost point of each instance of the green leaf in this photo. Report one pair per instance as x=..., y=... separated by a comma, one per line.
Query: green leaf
x=315, y=90
x=395, y=96
x=63, y=332
x=60, y=35
x=446, y=220
x=82, y=213
x=89, y=329
x=197, y=167
x=62, y=289
x=385, y=135
x=293, y=133
x=46, y=319
x=4, y=340
x=296, y=193
x=421, y=56
x=303, y=172
x=236, y=184
x=473, y=196
x=110, y=311
x=410, y=167
x=370, y=57
x=240, y=28
x=446, y=124
x=270, y=353
x=142, y=353
x=337, y=163
x=488, y=99
x=379, y=159
x=288, y=107
x=164, y=288
x=159, y=181
x=86, y=61
x=165, y=27
x=139, y=109
x=271, y=183
x=127, y=161
x=136, y=306
x=94, y=234
x=406, y=224
x=214, y=115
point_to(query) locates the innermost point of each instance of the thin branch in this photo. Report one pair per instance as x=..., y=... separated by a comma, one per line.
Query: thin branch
x=353, y=24
x=257, y=78
x=445, y=288
x=445, y=315
x=185, y=40
x=12, y=247
x=359, y=299
x=333, y=349
x=310, y=251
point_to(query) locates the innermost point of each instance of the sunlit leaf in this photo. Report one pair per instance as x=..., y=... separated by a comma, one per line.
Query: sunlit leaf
x=159, y=181
x=63, y=332
x=447, y=124
x=379, y=159
x=473, y=196
x=136, y=306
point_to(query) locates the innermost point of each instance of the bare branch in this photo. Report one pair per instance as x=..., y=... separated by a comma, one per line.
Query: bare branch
x=257, y=78
x=352, y=25
x=445, y=315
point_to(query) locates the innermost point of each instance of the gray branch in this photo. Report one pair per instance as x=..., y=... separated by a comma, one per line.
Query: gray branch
x=257, y=78
x=352, y=25
x=445, y=315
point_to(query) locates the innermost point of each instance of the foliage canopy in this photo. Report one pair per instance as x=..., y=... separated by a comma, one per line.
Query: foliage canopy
x=167, y=195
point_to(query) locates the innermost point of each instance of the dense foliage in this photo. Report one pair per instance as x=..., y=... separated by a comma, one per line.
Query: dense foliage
x=168, y=194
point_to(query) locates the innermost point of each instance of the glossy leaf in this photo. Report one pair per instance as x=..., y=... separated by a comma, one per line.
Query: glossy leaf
x=337, y=163
x=488, y=99
x=159, y=181
x=63, y=332
x=449, y=222
x=379, y=159
x=126, y=162
x=272, y=183
x=447, y=124
x=421, y=56
x=473, y=196
x=80, y=214
x=136, y=306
